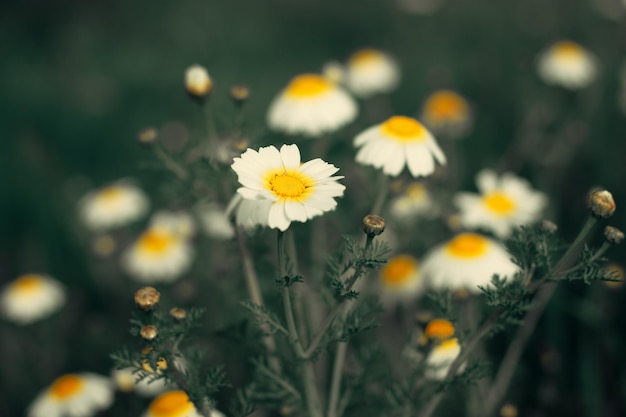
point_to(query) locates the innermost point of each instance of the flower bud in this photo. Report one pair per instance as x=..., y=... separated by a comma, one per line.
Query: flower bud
x=601, y=204
x=548, y=226
x=198, y=82
x=373, y=225
x=149, y=332
x=613, y=235
x=178, y=313
x=239, y=93
x=148, y=136
x=147, y=298
x=161, y=365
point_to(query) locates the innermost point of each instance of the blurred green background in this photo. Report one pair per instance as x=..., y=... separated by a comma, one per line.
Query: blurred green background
x=80, y=79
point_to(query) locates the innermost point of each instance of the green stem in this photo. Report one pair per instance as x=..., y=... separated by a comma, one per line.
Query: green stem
x=381, y=196
x=170, y=163
x=335, y=386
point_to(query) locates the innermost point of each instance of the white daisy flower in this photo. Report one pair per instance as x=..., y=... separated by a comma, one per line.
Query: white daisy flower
x=504, y=203
x=448, y=113
x=311, y=105
x=198, y=83
x=30, y=298
x=415, y=201
x=298, y=191
x=175, y=404
x=74, y=395
x=215, y=222
x=370, y=72
x=397, y=142
x=400, y=277
x=179, y=223
x=441, y=357
x=115, y=205
x=567, y=64
x=465, y=262
x=158, y=256
x=335, y=72
x=126, y=381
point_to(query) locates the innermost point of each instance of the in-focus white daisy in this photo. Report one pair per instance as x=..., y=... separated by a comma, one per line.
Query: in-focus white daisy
x=415, y=201
x=179, y=223
x=175, y=404
x=215, y=222
x=504, y=203
x=371, y=71
x=400, y=278
x=311, y=105
x=73, y=395
x=441, y=357
x=31, y=297
x=567, y=64
x=158, y=256
x=298, y=191
x=115, y=205
x=447, y=113
x=126, y=381
x=397, y=142
x=465, y=262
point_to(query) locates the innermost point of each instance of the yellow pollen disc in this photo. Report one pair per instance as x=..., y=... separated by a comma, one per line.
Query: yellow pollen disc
x=416, y=190
x=467, y=245
x=111, y=194
x=170, y=404
x=567, y=50
x=66, y=386
x=155, y=241
x=398, y=269
x=449, y=344
x=308, y=85
x=290, y=185
x=445, y=105
x=440, y=329
x=499, y=203
x=28, y=283
x=404, y=129
x=365, y=56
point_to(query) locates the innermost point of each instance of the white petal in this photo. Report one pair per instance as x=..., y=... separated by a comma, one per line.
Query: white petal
x=487, y=181
x=290, y=155
x=277, y=218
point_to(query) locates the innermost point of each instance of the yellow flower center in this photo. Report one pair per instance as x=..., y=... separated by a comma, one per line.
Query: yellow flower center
x=398, y=269
x=171, y=404
x=416, y=190
x=290, y=184
x=155, y=241
x=445, y=105
x=499, y=203
x=308, y=85
x=467, y=245
x=365, y=57
x=449, y=344
x=161, y=365
x=568, y=50
x=66, y=386
x=439, y=329
x=27, y=284
x=404, y=129
x=111, y=194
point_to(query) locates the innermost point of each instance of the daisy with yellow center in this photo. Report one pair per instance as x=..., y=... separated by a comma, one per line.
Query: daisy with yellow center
x=414, y=202
x=370, y=72
x=115, y=205
x=448, y=113
x=465, y=262
x=158, y=256
x=568, y=65
x=504, y=203
x=297, y=191
x=198, y=83
x=179, y=223
x=400, y=279
x=30, y=298
x=76, y=395
x=311, y=105
x=439, y=329
x=175, y=404
x=335, y=72
x=441, y=357
x=397, y=142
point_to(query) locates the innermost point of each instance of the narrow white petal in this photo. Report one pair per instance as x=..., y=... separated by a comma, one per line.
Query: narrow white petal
x=277, y=218
x=290, y=155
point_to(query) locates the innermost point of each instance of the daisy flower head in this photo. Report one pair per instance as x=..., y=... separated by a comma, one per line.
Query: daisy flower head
x=311, y=105
x=370, y=72
x=335, y=72
x=114, y=205
x=31, y=297
x=75, y=395
x=441, y=357
x=175, y=404
x=126, y=380
x=465, y=262
x=158, y=255
x=504, y=202
x=439, y=330
x=447, y=113
x=397, y=142
x=568, y=65
x=179, y=223
x=215, y=222
x=198, y=83
x=400, y=279
x=415, y=201
x=297, y=191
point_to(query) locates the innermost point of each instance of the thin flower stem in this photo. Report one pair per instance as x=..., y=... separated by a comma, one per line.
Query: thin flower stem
x=170, y=163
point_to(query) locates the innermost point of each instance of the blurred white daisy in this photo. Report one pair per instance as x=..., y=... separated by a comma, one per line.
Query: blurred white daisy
x=400, y=277
x=504, y=203
x=335, y=72
x=31, y=297
x=370, y=72
x=465, y=262
x=447, y=113
x=115, y=205
x=249, y=213
x=415, y=201
x=567, y=64
x=397, y=142
x=175, y=404
x=74, y=395
x=311, y=105
x=215, y=222
x=198, y=83
x=441, y=357
x=298, y=191
x=179, y=223
x=126, y=381
x=158, y=256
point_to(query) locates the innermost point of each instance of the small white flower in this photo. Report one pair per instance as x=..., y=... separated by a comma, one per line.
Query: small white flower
x=397, y=142
x=400, y=279
x=215, y=222
x=75, y=395
x=441, y=357
x=30, y=298
x=175, y=404
x=370, y=72
x=297, y=191
x=115, y=205
x=311, y=105
x=198, y=83
x=179, y=223
x=413, y=202
x=335, y=72
x=447, y=113
x=158, y=256
x=504, y=203
x=126, y=380
x=465, y=262
x=567, y=64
